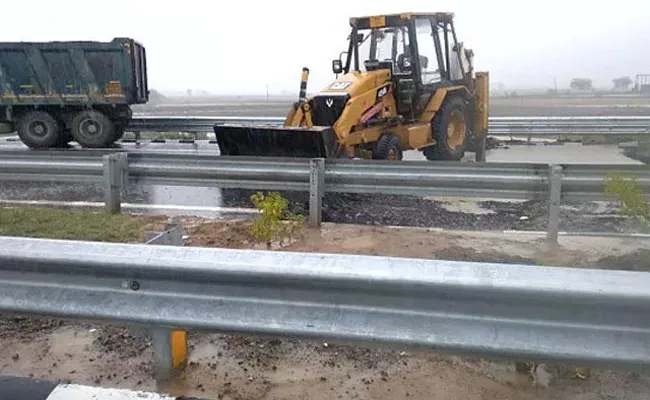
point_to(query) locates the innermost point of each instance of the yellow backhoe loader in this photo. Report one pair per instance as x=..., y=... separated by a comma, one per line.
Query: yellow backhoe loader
x=386, y=101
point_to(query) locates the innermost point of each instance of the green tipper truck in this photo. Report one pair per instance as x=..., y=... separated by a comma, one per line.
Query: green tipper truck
x=57, y=92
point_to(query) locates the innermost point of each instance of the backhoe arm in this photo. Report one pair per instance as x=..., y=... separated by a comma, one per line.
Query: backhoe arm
x=300, y=113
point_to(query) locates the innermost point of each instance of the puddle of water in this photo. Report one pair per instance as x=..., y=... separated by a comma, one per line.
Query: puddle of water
x=188, y=196
x=195, y=201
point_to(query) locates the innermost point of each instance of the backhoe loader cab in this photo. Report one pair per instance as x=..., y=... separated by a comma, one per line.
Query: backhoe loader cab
x=387, y=42
x=405, y=82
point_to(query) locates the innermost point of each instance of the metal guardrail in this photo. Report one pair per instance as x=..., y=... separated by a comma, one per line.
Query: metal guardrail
x=498, y=126
x=523, y=312
x=415, y=178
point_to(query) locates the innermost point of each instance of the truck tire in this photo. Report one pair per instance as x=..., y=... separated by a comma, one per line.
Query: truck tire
x=65, y=137
x=93, y=129
x=388, y=147
x=38, y=130
x=119, y=131
x=451, y=131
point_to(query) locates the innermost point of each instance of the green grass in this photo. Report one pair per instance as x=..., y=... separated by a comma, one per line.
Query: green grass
x=71, y=225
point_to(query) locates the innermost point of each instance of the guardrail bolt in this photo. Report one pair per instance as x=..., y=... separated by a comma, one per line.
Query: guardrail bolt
x=135, y=285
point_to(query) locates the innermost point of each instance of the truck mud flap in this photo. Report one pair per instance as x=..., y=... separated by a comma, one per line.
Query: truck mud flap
x=275, y=141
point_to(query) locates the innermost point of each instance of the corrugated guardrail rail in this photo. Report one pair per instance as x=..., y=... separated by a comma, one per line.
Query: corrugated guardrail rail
x=506, y=126
x=488, y=180
x=520, y=311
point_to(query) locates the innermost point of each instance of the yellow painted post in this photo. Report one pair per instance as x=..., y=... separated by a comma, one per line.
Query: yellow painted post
x=481, y=116
x=170, y=352
x=179, y=349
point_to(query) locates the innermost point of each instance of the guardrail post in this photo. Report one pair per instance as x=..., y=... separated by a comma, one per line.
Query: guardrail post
x=555, y=195
x=115, y=179
x=169, y=345
x=316, y=191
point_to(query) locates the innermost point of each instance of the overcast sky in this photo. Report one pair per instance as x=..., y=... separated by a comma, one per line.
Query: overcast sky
x=241, y=46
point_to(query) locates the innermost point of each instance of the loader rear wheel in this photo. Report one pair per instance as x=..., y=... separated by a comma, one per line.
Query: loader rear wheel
x=38, y=130
x=451, y=131
x=93, y=129
x=388, y=147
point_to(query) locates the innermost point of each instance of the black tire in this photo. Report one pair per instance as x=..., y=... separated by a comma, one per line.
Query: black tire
x=450, y=145
x=119, y=132
x=93, y=129
x=388, y=147
x=65, y=137
x=38, y=130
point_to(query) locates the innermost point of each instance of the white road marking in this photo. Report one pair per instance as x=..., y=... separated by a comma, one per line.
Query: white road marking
x=130, y=206
x=80, y=392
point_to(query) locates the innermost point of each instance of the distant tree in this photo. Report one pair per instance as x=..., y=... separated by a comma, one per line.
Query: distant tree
x=581, y=84
x=622, y=83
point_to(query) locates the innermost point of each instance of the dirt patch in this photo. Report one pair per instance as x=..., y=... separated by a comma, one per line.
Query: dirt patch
x=456, y=253
x=432, y=243
x=122, y=342
x=228, y=234
x=636, y=261
x=336, y=239
x=25, y=328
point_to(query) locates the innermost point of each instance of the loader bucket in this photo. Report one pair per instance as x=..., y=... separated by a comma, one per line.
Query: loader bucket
x=275, y=141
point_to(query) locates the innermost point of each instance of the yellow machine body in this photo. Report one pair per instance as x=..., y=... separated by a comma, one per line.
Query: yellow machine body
x=351, y=116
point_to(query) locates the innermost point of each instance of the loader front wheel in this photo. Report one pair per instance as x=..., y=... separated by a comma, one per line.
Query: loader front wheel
x=451, y=131
x=388, y=147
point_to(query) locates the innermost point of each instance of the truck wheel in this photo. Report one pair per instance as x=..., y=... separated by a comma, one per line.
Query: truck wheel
x=38, y=129
x=93, y=129
x=119, y=132
x=388, y=147
x=65, y=137
x=450, y=130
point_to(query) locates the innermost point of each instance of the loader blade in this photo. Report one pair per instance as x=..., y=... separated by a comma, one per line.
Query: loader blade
x=275, y=141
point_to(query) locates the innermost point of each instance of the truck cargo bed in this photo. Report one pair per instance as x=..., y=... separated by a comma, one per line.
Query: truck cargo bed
x=35, y=73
